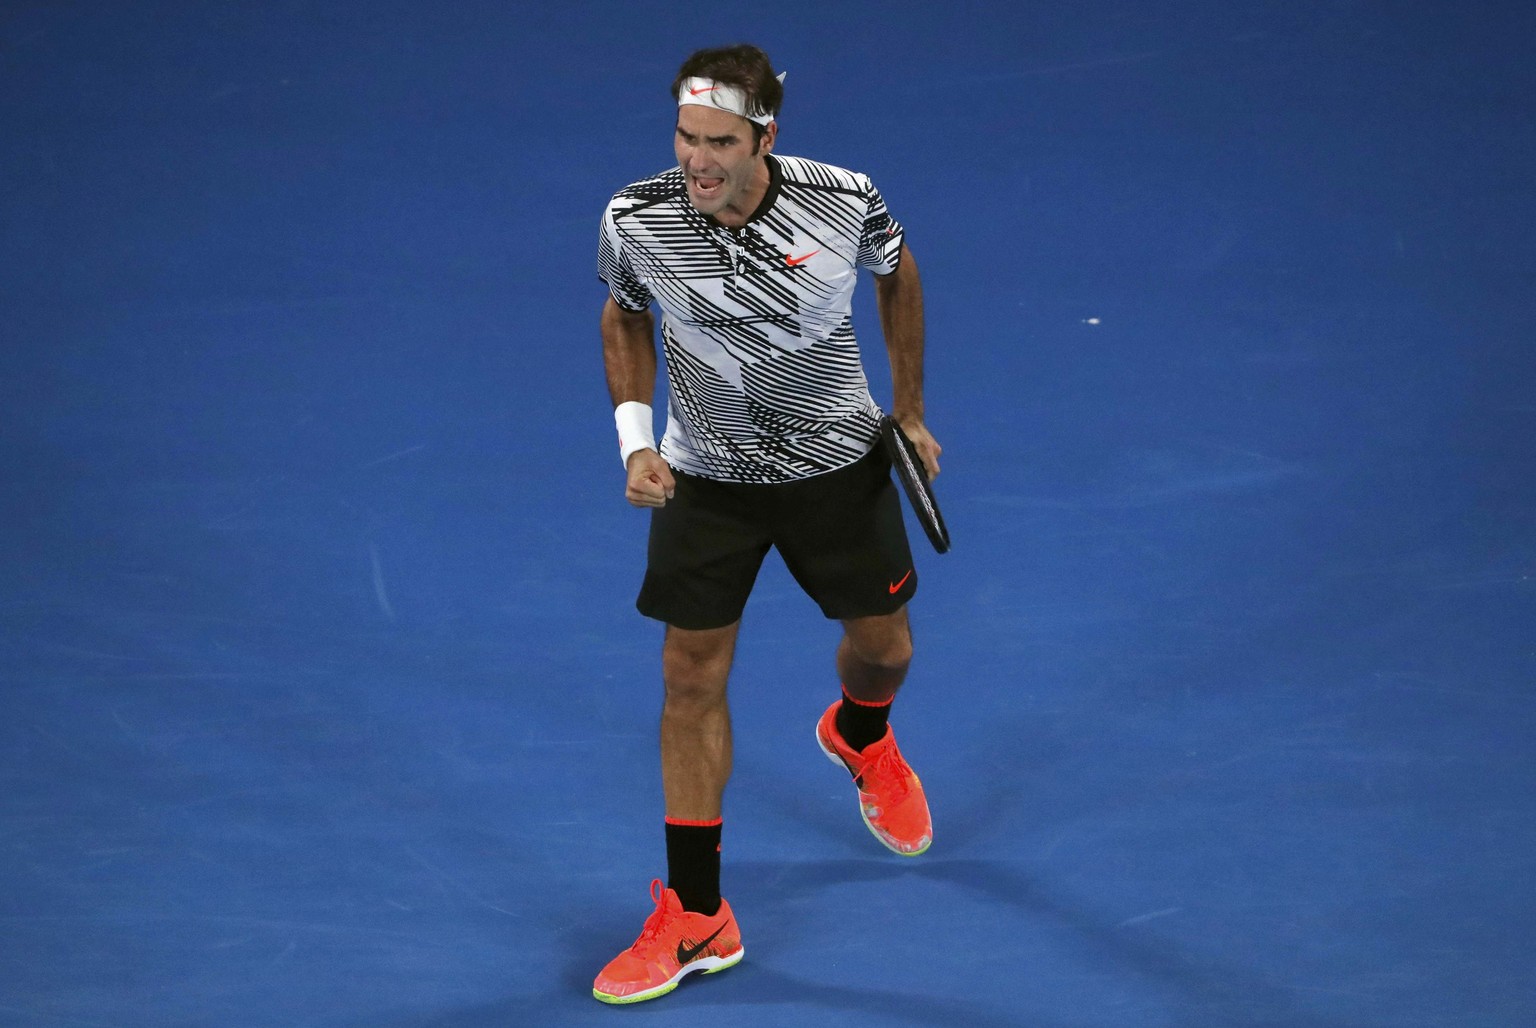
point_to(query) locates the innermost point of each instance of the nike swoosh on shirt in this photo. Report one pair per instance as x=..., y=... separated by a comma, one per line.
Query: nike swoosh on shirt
x=896, y=586
x=687, y=953
x=793, y=261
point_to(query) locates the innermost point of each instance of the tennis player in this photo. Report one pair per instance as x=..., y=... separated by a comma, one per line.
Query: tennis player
x=770, y=443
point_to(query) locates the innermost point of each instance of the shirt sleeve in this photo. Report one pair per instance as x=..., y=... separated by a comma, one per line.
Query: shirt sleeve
x=613, y=268
x=880, y=241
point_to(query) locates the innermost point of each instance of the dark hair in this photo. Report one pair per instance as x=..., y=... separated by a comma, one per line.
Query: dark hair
x=743, y=66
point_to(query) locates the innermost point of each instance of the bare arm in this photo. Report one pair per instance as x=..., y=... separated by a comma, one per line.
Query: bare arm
x=629, y=353
x=629, y=359
x=899, y=297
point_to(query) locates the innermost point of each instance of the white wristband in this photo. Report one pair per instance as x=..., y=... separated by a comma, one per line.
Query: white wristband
x=636, y=428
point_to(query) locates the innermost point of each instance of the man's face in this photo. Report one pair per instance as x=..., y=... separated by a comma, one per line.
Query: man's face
x=714, y=148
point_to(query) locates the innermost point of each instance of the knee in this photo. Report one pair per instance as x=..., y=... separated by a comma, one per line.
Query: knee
x=690, y=684
x=887, y=647
x=894, y=655
x=695, y=676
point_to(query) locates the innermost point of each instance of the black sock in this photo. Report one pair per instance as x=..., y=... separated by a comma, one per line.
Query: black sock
x=861, y=724
x=693, y=864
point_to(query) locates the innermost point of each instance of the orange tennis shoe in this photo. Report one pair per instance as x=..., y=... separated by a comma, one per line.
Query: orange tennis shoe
x=891, y=798
x=674, y=942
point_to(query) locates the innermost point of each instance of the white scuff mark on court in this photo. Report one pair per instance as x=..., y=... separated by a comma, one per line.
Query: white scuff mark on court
x=59, y=741
x=1090, y=321
x=228, y=89
x=29, y=1014
x=128, y=730
x=1050, y=848
x=95, y=865
x=268, y=924
x=79, y=651
x=534, y=743
x=1057, y=69
x=378, y=583
x=393, y=456
x=1474, y=581
x=231, y=943
x=1143, y=918
x=444, y=879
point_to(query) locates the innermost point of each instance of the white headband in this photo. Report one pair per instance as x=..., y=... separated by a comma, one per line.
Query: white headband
x=709, y=93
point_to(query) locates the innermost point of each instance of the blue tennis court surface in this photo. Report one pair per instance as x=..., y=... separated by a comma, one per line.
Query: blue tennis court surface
x=324, y=699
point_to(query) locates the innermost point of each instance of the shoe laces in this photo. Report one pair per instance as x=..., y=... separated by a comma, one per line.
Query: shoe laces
x=889, y=770
x=655, y=925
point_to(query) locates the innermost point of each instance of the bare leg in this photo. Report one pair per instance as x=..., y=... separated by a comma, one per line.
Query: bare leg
x=874, y=655
x=873, y=658
x=696, y=721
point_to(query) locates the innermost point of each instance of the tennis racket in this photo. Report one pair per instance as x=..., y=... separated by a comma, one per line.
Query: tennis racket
x=914, y=482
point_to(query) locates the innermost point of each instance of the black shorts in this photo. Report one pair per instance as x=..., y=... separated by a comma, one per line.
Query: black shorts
x=840, y=533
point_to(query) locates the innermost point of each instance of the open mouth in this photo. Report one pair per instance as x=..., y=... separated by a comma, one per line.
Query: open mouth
x=707, y=185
